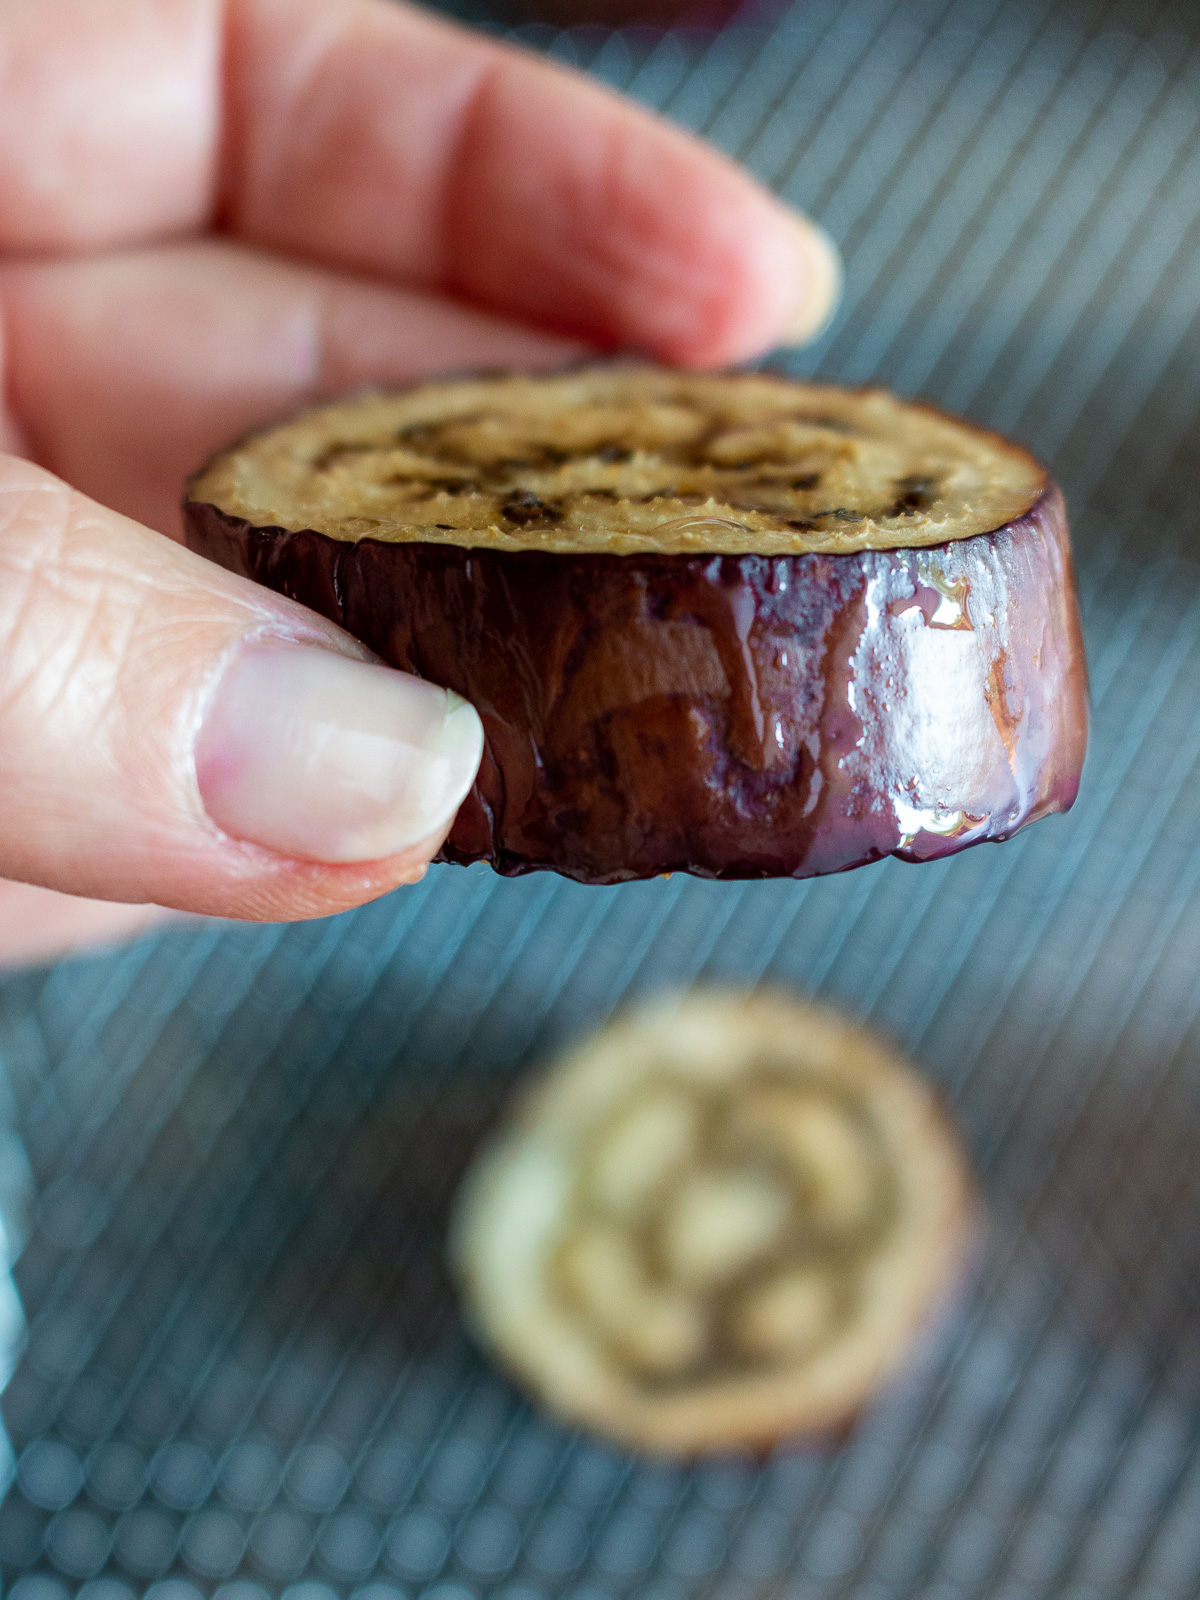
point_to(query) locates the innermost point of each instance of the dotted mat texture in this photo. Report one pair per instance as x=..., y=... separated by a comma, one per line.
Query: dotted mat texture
x=245, y=1371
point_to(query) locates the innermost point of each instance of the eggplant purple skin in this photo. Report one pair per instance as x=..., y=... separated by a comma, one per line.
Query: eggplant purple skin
x=729, y=716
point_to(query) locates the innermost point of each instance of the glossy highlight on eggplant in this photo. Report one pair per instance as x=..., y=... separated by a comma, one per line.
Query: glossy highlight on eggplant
x=732, y=716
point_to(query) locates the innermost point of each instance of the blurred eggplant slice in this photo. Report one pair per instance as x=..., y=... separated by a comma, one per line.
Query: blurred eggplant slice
x=721, y=1221
x=728, y=624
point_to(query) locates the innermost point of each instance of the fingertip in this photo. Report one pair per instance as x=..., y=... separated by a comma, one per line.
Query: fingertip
x=762, y=276
x=821, y=278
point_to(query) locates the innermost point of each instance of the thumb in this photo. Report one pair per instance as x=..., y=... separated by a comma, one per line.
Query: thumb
x=172, y=733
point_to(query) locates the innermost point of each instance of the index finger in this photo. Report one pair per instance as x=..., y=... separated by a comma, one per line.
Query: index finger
x=397, y=143
x=367, y=134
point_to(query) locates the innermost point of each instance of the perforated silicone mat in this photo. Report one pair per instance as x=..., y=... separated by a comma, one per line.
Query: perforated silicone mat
x=244, y=1360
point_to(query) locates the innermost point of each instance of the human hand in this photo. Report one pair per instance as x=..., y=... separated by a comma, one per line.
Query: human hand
x=209, y=215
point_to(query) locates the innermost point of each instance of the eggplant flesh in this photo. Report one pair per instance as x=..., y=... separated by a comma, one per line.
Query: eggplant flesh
x=729, y=713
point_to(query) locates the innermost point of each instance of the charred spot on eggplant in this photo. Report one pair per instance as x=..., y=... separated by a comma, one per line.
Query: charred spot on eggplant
x=525, y=507
x=865, y=642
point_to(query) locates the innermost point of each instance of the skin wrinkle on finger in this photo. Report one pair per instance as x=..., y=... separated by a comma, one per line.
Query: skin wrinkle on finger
x=48, y=630
x=122, y=821
x=71, y=628
x=66, y=597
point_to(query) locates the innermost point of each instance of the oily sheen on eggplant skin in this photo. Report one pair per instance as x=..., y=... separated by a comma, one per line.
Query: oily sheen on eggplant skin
x=730, y=716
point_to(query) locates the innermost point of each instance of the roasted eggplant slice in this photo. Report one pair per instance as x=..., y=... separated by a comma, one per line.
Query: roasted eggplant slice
x=726, y=624
x=722, y=1221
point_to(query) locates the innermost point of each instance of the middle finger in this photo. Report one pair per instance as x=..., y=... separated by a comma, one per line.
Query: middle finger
x=126, y=369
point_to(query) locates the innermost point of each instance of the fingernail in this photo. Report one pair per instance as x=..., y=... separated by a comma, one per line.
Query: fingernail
x=821, y=283
x=315, y=755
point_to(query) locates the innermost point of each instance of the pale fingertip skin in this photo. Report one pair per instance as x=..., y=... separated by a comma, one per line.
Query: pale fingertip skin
x=822, y=278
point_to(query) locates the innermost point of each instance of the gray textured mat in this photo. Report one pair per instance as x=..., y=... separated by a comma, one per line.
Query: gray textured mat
x=244, y=1362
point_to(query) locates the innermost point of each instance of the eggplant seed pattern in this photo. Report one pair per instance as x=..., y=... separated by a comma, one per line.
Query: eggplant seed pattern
x=720, y=1230
x=721, y=1220
x=626, y=460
